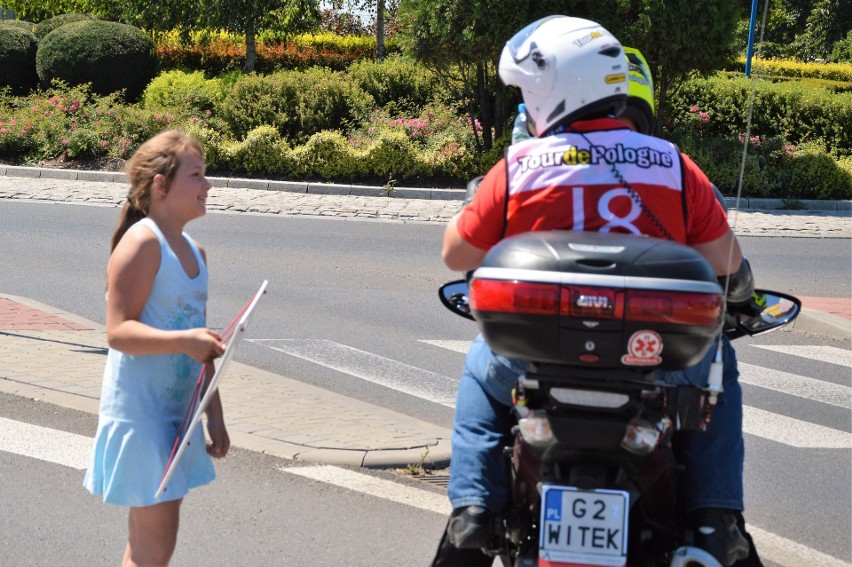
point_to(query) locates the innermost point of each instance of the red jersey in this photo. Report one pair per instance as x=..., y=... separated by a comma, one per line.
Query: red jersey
x=600, y=176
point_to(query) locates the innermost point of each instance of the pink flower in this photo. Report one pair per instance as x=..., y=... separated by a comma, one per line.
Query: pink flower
x=64, y=142
x=705, y=117
x=74, y=107
x=694, y=108
x=103, y=143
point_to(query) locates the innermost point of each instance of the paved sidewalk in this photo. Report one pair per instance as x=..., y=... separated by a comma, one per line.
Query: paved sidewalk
x=55, y=356
x=756, y=217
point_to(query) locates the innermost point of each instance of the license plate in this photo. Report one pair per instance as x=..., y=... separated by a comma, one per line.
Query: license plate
x=583, y=527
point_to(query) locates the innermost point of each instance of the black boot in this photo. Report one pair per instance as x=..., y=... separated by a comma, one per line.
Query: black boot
x=471, y=527
x=449, y=555
x=716, y=532
x=753, y=559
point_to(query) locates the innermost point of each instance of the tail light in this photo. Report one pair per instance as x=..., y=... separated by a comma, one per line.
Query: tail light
x=514, y=297
x=596, y=302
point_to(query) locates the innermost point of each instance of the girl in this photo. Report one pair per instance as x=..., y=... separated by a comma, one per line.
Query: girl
x=156, y=330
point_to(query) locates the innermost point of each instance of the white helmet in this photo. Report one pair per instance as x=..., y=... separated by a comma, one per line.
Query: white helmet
x=566, y=68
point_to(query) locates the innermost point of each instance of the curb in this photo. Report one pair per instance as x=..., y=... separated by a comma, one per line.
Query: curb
x=821, y=323
x=433, y=194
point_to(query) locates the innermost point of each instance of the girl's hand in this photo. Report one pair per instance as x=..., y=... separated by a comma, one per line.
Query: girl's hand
x=203, y=345
x=220, y=442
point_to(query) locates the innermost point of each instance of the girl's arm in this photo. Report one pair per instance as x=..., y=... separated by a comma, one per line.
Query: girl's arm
x=219, y=440
x=130, y=278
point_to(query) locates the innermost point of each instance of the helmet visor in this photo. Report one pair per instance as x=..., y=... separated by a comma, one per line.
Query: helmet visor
x=518, y=46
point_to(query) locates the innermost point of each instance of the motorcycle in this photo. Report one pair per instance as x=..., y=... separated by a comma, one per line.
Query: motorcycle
x=593, y=467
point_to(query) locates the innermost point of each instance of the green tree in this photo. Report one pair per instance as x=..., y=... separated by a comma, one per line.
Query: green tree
x=44, y=9
x=243, y=17
x=828, y=22
x=462, y=41
x=248, y=17
x=381, y=10
x=679, y=38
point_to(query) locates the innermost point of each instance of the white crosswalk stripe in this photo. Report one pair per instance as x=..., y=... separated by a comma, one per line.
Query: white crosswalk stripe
x=45, y=444
x=833, y=355
x=371, y=367
x=793, y=432
x=795, y=385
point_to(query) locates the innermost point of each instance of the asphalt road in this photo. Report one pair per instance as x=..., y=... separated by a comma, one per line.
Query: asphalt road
x=372, y=286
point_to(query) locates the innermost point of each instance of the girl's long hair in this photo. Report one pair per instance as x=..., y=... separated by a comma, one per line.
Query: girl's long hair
x=159, y=155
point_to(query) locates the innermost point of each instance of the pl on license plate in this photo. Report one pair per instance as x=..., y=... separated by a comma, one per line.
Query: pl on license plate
x=583, y=527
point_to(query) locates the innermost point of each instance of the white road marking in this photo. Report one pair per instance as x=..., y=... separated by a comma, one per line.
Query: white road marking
x=795, y=385
x=377, y=487
x=784, y=552
x=788, y=553
x=793, y=432
x=45, y=444
x=833, y=355
x=457, y=346
x=371, y=367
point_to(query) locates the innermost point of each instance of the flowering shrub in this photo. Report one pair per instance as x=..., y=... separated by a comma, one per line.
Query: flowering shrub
x=70, y=123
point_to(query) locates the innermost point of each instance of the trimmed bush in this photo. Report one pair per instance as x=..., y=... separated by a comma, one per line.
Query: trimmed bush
x=257, y=101
x=17, y=59
x=109, y=55
x=20, y=24
x=177, y=89
x=399, y=86
x=327, y=155
x=393, y=156
x=44, y=27
x=327, y=101
x=261, y=152
x=297, y=103
x=211, y=141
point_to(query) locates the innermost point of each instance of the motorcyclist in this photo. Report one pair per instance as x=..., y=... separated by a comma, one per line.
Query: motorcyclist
x=585, y=170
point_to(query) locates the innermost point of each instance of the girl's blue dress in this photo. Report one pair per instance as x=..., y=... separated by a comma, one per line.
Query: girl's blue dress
x=144, y=398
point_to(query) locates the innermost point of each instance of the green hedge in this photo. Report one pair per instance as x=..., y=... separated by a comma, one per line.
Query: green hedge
x=796, y=69
x=797, y=112
x=220, y=52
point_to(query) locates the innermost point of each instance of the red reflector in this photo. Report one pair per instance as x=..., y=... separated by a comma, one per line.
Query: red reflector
x=514, y=297
x=674, y=307
x=592, y=302
x=589, y=357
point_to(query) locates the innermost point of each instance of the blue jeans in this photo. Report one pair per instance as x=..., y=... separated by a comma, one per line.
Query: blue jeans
x=483, y=419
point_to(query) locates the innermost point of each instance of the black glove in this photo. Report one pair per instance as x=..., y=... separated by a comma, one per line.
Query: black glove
x=740, y=286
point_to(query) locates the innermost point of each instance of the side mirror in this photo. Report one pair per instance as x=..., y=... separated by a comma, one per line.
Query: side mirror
x=772, y=310
x=454, y=297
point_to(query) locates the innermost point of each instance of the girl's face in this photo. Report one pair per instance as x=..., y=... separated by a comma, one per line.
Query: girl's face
x=187, y=192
